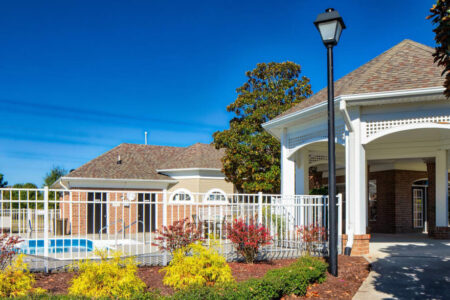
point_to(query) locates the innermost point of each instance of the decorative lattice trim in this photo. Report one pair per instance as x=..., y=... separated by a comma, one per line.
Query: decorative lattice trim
x=374, y=127
x=322, y=134
x=317, y=157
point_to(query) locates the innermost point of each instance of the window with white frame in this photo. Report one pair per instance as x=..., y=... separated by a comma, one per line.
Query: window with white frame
x=216, y=195
x=181, y=195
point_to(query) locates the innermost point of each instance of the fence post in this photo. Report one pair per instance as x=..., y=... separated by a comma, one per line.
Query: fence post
x=260, y=208
x=165, y=223
x=340, y=223
x=46, y=228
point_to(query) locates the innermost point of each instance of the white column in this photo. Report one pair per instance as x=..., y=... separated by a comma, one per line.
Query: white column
x=287, y=167
x=302, y=172
x=356, y=167
x=441, y=189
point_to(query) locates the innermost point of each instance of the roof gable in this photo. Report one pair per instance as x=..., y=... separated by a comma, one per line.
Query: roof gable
x=407, y=65
x=144, y=161
x=136, y=162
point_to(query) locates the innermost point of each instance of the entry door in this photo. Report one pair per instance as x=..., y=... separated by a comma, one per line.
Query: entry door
x=96, y=213
x=146, y=212
x=418, y=195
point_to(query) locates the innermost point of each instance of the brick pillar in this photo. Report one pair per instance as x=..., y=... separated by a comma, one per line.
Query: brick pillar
x=431, y=196
x=360, y=244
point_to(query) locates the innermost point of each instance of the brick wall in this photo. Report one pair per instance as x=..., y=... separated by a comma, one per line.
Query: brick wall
x=394, y=201
x=403, y=200
x=77, y=210
x=431, y=207
x=385, y=220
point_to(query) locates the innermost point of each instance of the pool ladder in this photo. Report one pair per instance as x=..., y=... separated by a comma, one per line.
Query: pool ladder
x=123, y=229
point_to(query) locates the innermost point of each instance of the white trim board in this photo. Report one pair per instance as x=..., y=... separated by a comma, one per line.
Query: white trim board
x=126, y=183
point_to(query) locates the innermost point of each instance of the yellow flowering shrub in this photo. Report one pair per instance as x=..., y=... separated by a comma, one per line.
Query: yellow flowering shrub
x=204, y=267
x=16, y=281
x=115, y=277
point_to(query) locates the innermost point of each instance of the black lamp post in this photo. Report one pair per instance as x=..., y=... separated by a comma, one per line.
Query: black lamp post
x=330, y=26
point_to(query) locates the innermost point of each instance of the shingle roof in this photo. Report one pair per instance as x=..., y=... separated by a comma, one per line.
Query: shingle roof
x=196, y=156
x=407, y=65
x=143, y=161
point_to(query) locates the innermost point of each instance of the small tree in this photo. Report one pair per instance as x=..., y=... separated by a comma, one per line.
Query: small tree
x=252, y=156
x=440, y=16
x=180, y=235
x=24, y=195
x=8, y=249
x=54, y=174
x=311, y=236
x=248, y=237
x=3, y=182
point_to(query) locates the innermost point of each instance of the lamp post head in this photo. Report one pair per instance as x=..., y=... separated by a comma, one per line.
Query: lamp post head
x=330, y=26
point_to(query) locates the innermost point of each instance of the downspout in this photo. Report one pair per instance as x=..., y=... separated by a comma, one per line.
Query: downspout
x=348, y=123
x=344, y=111
x=349, y=245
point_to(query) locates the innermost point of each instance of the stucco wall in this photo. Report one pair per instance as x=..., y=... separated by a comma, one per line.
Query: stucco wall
x=202, y=185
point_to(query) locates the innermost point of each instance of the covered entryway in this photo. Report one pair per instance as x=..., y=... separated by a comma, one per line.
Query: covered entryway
x=408, y=179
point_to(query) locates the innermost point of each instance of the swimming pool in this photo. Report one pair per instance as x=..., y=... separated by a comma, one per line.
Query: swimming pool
x=63, y=245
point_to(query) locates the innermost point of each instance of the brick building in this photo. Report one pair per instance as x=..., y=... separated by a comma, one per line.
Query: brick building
x=392, y=145
x=125, y=186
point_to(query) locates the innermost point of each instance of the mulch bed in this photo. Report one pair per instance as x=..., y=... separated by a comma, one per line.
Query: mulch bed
x=352, y=272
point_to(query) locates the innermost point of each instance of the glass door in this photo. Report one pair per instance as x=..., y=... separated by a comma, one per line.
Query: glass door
x=418, y=194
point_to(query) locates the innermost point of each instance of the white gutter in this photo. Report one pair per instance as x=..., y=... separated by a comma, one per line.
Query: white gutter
x=120, y=179
x=433, y=93
x=301, y=113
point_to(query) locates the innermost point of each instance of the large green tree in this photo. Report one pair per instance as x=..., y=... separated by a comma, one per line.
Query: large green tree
x=252, y=155
x=440, y=16
x=54, y=174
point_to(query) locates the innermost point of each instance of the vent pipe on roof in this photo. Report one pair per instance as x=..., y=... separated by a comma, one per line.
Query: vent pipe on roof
x=146, y=134
x=119, y=161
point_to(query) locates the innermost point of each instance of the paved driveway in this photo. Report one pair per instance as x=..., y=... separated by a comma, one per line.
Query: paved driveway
x=407, y=266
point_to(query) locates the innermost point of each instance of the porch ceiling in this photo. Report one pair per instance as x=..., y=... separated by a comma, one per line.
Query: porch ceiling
x=424, y=135
x=417, y=143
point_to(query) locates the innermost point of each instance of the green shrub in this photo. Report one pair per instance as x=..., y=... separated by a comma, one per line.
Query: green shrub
x=109, y=278
x=204, y=267
x=293, y=279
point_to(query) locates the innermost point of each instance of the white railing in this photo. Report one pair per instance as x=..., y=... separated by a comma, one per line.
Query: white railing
x=60, y=226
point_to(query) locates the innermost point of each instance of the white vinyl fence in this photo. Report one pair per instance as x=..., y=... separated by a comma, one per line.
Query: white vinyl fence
x=58, y=227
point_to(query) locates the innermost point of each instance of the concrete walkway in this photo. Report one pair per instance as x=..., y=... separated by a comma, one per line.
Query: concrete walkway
x=407, y=266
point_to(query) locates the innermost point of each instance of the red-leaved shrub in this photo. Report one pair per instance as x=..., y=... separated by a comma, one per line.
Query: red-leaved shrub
x=311, y=236
x=178, y=235
x=8, y=249
x=248, y=237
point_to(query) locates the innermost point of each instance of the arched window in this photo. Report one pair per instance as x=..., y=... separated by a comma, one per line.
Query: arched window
x=421, y=182
x=181, y=195
x=216, y=195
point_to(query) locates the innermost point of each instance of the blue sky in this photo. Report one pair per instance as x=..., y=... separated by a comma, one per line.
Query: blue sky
x=80, y=77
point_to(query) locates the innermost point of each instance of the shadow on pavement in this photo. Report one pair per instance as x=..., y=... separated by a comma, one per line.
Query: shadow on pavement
x=414, y=271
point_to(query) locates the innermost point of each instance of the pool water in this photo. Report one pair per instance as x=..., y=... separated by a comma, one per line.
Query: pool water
x=36, y=246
